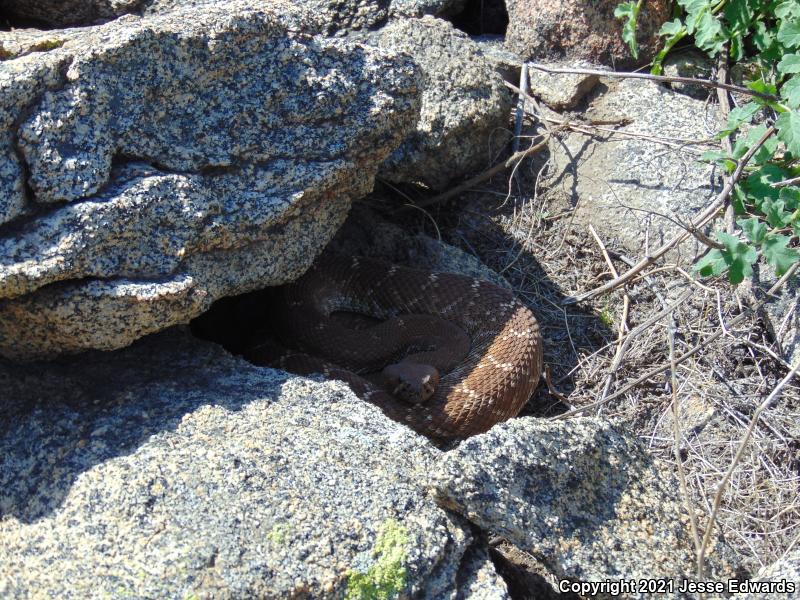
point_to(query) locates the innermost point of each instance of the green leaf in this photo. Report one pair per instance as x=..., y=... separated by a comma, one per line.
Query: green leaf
x=739, y=198
x=790, y=63
x=764, y=153
x=762, y=87
x=777, y=254
x=763, y=38
x=790, y=92
x=738, y=15
x=719, y=158
x=789, y=33
x=758, y=186
x=671, y=28
x=790, y=196
x=738, y=116
x=775, y=211
x=736, y=48
x=708, y=35
x=713, y=263
x=788, y=126
x=754, y=229
x=738, y=256
x=695, y=9
x=628, y=12
x=677, y=32
x=787, y=9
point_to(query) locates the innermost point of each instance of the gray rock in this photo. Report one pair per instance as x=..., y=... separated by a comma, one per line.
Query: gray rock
x=240, y=143
x=480, y=579
x=171, y=469
x=562, y=91
x=418, y=8
x=331, y=17
x=108, y=314
x=465, y=106
x=352, y=15
x=585, y=500
x=22, y=81
x=780, y=573
x=505, y=62
x=367, y=234
x=631, y=188
x=60, y=13
x=242, y=99
x=689, y=63
x=21, y=41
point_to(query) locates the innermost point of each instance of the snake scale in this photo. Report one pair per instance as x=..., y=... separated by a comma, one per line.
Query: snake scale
x=446, y=354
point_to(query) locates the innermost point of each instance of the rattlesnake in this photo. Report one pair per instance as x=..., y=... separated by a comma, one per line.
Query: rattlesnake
x=485, y=344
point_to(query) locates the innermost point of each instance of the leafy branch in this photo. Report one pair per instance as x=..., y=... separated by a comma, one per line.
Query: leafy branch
x=764, y=35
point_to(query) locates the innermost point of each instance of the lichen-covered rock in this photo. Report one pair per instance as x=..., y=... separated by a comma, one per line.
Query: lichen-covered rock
x=465, y=105
x=171, y=469
x=585, y=500
x=60, y=13
x=575, y=29
x=200, y=154
x=602, y=176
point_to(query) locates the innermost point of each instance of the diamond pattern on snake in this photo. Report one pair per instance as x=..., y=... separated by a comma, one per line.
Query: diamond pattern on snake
x=446, y=354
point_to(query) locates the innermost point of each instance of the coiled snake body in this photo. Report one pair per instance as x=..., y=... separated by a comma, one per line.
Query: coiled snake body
x=463, y=354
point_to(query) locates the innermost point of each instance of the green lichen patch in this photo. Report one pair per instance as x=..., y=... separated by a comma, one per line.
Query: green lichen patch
x=279, y=533
x=387, y=576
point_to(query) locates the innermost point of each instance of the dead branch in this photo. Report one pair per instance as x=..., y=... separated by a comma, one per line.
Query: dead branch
x=659, y=78
x=523, y=84
x=513, y=160
x=678, y=435
x=709, y=213
x=786, y=182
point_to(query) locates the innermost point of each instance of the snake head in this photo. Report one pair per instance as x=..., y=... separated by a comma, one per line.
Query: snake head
x=411, y=382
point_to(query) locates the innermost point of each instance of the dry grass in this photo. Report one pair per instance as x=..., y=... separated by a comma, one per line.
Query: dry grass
x=516, y=229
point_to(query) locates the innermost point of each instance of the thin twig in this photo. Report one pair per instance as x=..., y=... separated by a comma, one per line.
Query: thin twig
x=678, y=435
x=786, y=182
x=660, y=78
x=724, y=110
x=523, y=85
x=636, y=331
x=596, y=125
x=626, y=301
x=697, y=223
x=742, y=445
x=502, y=166
x=689, y=353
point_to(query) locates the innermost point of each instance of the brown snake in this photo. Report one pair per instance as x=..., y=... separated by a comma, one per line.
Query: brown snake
x=463, y=354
